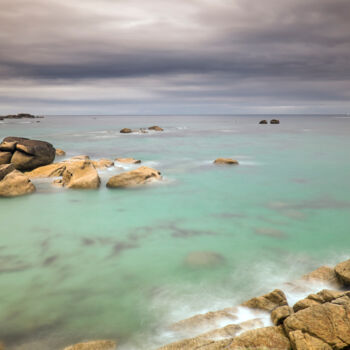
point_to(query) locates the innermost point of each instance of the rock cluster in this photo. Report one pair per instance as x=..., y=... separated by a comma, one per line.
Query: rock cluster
x=26, y=154
x=80, y=172
x=141, y=130
x=321, y=321
x=272, y=121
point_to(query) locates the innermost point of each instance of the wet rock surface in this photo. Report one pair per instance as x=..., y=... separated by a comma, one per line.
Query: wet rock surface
x=227, y=161
x=80, y=175
x=267, y=302
x=128, y=160
x=94, y=345
x=342, y=271
x=137, y=177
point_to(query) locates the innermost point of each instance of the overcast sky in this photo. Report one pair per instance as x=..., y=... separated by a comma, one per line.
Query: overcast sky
x=174, y=57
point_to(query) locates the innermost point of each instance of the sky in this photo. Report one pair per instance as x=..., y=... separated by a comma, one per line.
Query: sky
x=174, y=57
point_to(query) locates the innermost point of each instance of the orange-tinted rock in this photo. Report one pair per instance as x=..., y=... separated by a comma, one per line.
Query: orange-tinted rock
x=227, y=161
x=268, y=301
x=137, y=177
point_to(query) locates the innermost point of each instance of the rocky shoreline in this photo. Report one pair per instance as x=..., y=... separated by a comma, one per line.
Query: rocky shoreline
x=320, y=321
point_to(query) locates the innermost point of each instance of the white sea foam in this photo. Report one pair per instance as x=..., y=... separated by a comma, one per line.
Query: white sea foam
x=249, y=163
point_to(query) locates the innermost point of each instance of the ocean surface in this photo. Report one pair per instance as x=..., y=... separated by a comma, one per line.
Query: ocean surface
x=93, y=264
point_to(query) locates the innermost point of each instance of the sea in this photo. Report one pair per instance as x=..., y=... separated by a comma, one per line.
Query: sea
x=79, y=265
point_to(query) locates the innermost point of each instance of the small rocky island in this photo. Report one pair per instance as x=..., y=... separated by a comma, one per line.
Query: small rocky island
x=19, y=116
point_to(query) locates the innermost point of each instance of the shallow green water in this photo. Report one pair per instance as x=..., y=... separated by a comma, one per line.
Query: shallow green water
x=78, y=265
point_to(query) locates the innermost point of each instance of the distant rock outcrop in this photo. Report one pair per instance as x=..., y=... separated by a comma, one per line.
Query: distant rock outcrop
x=125, y=131
x=263, y=122
x=227, y=161
x=26, y=154
x=155, y=128
x=274, y=121
x=19, y=116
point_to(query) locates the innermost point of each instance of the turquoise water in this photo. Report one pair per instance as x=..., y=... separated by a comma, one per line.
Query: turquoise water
x=78, y=265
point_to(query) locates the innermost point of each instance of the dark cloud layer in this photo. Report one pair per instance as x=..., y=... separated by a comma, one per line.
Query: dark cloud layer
x=235, y=56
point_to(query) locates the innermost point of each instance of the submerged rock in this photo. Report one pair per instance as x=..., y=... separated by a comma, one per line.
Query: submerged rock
x=27, y=154
x=128, y=160
x=155, y=128
x=268, y=301
x=204, y=259
x=80, y=157
x=342, y=271
x=140, y=176
x=80, y=175
x=210, y=319
x=60, y=152
x=125, y=131
x=94, y=345
x=263, y=122
x=14, y=183
x=228, y=161
x=274, y=121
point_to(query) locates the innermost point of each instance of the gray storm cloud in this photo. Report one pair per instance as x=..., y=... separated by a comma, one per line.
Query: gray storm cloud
x=188, y=56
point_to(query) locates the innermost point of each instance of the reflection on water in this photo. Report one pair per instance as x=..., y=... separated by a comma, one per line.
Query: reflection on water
x=78, y=265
